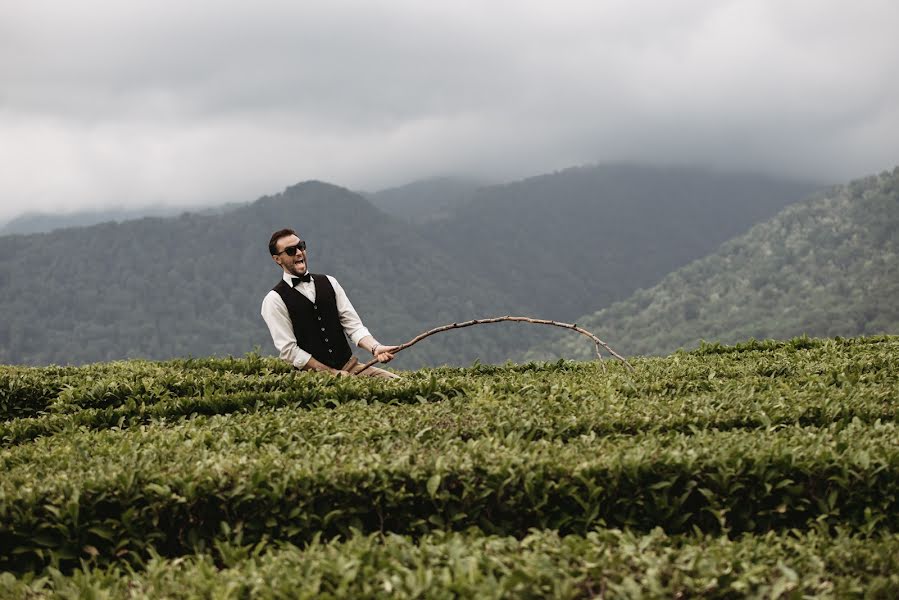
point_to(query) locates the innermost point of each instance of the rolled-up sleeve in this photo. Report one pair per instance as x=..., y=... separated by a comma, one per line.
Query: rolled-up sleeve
x=275, y=315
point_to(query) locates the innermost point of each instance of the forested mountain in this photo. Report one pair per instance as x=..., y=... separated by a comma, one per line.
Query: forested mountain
x=426, y=200
x=192, y=284
x=573, y=241
x=828, y=266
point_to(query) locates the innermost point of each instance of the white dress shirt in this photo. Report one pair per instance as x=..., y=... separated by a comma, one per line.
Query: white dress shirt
x=274, y=311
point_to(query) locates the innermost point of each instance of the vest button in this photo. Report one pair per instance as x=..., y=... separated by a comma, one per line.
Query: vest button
x=323, y=328
x=326, y=339
x=329, y=350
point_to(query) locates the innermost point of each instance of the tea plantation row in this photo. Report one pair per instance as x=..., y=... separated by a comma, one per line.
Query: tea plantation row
x=671, y=479
x=607, y=563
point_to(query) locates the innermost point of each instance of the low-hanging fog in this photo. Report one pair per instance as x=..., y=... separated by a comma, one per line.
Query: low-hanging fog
x=170, y=103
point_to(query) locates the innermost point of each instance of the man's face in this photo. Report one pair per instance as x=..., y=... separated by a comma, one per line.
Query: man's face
x=296, y=264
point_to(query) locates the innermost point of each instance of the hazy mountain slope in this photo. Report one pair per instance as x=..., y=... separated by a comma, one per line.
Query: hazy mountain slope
x=40, y=222
x=193, y=284
x=425, y=200
x=825, y=267
x=582, y=238
x=36, y=222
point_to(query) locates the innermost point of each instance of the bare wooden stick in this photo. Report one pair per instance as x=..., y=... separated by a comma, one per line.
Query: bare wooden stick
x=596, y=341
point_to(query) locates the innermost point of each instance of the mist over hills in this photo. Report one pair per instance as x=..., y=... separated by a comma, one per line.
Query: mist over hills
x=41, y=222
x=417, y=202
x=828, y=266
x=192, y=284
x=38, y=222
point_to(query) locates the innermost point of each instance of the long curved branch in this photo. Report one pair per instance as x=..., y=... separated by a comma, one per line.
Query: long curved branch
x=596, y=341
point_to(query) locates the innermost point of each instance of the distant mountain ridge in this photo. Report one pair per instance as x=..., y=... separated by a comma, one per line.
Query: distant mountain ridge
x=582, y=238
x=40, y=222
x=192, y=284
x=828, y=266
x=426, y=200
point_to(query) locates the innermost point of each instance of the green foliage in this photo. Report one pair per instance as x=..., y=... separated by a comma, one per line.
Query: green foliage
x=828, y=266
x=768, y=468
x=606, y=563
x=706, y=388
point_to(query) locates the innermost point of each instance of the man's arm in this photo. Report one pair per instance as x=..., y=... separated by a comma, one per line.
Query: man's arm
x=380, y=351
x=354, y=329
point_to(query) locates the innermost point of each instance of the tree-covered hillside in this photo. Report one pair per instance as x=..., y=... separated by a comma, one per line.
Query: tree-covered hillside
x=426, y=200
x=192, y=284
x=825, y=267
x=577, y=240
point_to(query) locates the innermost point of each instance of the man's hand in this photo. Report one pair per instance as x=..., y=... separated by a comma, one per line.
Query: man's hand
x=314, y=365
x=383, y=353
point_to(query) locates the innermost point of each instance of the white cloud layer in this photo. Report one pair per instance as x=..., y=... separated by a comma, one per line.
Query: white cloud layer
x=144, y=103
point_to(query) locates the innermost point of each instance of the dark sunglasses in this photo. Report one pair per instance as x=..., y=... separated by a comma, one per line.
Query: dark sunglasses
x=292, y=250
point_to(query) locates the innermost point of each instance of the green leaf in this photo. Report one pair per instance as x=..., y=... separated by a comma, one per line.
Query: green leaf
x=433, y=485
x=102, y=532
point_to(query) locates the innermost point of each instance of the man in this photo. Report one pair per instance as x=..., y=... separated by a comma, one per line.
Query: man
x=310, y=316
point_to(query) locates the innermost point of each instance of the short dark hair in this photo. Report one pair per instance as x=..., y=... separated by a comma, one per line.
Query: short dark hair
x=273, y=243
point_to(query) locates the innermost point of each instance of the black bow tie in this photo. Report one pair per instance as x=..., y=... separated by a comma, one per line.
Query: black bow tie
x=305, y=279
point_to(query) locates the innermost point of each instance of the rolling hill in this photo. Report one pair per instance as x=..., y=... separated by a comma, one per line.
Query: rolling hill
x=192, y=284
x=828, y=266
x=426, y=200
x=577, y=240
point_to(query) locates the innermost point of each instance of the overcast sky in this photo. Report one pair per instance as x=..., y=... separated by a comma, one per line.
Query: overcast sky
x=132, y=103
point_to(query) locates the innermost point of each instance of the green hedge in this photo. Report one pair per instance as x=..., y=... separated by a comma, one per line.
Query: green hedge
x=605, y=563
x=172, y=487
x=113, y=463
x=789, y=384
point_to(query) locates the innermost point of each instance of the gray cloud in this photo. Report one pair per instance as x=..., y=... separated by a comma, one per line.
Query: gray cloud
x=166, y=102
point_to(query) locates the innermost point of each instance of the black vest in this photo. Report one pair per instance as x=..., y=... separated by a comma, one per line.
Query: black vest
x=317, y=326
